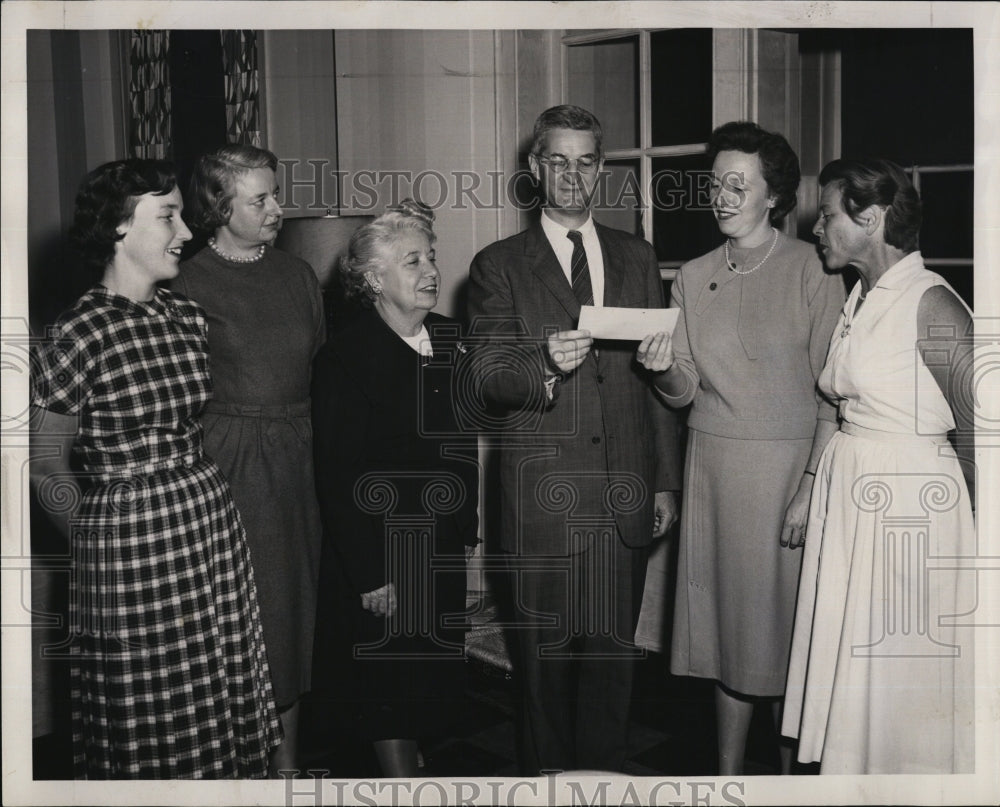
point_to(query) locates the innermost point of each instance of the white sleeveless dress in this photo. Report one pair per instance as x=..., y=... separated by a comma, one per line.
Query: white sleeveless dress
x=881, y=672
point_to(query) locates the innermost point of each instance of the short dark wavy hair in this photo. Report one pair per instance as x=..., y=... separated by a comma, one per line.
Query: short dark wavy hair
x=566, y=116
x=363, y=250
x=107, y=197
x=864, y=183
x=213, y=183
x=779, y=164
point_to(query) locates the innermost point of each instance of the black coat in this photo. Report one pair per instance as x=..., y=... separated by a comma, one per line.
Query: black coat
x=384, y=419
x=397, y=482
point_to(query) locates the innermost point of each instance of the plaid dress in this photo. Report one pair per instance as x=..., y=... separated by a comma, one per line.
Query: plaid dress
x=169, y=670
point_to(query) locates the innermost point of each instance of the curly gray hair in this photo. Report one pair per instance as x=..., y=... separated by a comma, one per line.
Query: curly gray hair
x=363, y=251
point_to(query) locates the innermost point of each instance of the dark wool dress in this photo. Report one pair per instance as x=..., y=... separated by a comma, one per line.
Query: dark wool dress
x=265, y=324
x=169, y=670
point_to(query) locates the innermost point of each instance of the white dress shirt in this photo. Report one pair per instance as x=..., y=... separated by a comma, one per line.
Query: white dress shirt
x=563, y=247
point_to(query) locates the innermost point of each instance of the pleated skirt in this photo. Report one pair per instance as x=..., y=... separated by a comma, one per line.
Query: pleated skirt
x=881, y=672
x=169, y=671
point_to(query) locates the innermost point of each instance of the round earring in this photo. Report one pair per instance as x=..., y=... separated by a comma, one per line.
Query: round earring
x=375, y=286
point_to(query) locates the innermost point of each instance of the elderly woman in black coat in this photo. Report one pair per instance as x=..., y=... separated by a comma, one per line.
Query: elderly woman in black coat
x=398, y=486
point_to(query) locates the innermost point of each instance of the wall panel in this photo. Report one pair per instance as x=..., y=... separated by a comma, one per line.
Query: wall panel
x=300, y=115
x=417, y=114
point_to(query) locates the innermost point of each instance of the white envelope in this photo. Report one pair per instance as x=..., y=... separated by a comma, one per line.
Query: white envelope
x=627, y=323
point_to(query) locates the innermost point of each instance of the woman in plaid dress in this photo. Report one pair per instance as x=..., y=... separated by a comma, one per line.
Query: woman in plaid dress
x=169, y=670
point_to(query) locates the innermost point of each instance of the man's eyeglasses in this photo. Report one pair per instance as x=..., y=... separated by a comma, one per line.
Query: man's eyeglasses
x=558, y=163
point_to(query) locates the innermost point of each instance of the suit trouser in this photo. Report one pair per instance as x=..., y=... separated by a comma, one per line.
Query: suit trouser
x=576, y=620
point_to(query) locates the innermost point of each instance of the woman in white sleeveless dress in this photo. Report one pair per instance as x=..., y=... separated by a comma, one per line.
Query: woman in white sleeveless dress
x=880, y=678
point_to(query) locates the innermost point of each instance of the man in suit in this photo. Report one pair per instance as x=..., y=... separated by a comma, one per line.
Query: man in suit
x=589, y=458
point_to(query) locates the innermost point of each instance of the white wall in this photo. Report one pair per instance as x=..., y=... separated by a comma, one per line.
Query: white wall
x=299, y=97
x=424, y=103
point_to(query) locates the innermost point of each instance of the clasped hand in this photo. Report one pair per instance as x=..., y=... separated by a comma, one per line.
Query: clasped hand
x=381, y=601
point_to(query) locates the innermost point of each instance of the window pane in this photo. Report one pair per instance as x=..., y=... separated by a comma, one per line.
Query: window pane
x=619, y=197
x=681, y=78
x=961, y=279
x=931, y=124
x=683, y=224
x=604, y=78
x=947, y=224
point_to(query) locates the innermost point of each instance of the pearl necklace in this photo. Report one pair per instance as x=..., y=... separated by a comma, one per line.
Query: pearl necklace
x=732, y=265
x=233, y=258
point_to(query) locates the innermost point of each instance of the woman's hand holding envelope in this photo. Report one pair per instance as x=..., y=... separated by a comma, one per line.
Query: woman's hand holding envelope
x=656, y=352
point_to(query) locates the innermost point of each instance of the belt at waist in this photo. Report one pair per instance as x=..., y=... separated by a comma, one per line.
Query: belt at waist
x=891, y=437
x=267, y=411
x=150, y=468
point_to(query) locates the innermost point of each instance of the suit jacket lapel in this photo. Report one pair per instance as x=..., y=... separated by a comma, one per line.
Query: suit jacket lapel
x=446, y=336
x=545, y=265
x=614, y=270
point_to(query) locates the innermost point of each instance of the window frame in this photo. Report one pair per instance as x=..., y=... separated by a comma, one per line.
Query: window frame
x=646, y=152
x=915, y=171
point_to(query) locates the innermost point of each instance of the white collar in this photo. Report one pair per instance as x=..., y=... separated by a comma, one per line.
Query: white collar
x=555, y=231
x=421, y=342
x=897, y=274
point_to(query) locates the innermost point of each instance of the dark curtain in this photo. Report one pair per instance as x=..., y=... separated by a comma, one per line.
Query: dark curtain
x=149, y=95
x=242, y=82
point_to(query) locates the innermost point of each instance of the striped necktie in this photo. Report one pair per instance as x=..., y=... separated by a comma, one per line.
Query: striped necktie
x=580, y=270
